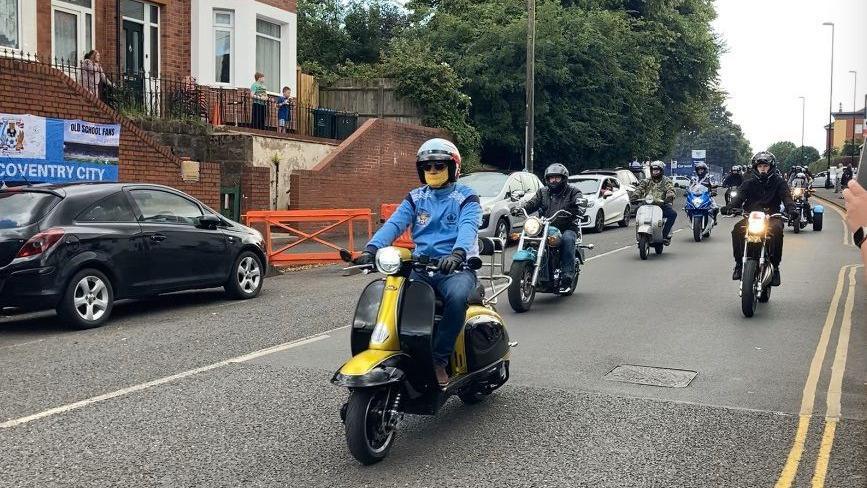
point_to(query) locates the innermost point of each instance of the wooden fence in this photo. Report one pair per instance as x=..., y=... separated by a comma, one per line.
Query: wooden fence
x=370, y=99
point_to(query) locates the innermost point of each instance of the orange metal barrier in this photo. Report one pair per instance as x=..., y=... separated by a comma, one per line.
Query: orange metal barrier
x=405, y=240
x=332, y=218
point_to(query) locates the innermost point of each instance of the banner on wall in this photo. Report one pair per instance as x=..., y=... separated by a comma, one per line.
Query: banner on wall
x=45, y=150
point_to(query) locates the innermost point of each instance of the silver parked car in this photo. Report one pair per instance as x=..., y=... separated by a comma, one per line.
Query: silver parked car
x=498, y=193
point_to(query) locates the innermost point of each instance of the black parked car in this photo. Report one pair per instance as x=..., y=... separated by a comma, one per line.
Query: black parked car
x=78, y=248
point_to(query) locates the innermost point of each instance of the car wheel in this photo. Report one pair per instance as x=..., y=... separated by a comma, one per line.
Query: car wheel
x=502, y=231
x=625, y=221
x=599, y=225
x=247, y=276
x=87, y=301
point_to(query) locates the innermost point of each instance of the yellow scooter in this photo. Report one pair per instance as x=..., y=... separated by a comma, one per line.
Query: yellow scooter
x=391, y=372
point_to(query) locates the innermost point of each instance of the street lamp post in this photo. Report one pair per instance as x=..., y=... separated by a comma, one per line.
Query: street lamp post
x=854, y=106
x=803, y=111
x=529, y=128
x=831, y=97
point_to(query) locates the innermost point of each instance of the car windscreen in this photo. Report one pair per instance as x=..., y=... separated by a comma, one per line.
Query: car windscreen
x=485, y=184
x=588, y=186
x=22, y=208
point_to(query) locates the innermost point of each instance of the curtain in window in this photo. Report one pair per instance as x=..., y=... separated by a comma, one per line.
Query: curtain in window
x=9, y=24
x=268, y=60
x=66, y=37
x=223, y=51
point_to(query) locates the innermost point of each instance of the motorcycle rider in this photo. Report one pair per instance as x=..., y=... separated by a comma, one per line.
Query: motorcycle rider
x=444, y=217
x=799, y=178
x=735, y=177
x=763, y=193
x=662, y=190
x=702, y=177
x=558, y=195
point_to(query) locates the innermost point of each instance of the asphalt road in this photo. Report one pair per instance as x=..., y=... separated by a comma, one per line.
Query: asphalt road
x=165, y=396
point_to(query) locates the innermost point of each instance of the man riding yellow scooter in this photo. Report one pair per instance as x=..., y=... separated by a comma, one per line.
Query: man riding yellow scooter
x=444, y=217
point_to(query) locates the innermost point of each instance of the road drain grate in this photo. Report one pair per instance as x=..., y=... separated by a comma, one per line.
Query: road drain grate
x=649, y=375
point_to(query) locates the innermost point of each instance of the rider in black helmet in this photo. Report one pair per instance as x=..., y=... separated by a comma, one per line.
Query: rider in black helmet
x=765, y=192
x=558, y=195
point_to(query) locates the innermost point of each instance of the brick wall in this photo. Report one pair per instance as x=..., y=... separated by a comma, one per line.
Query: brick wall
x=289, y=5
x=142, y=159
x=255, y=189
x=373, y=166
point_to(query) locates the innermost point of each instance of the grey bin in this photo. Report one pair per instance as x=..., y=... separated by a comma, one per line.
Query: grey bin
x=345, y=124
x=323, y=123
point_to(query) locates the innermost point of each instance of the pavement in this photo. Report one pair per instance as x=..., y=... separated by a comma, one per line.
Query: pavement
x=192, y=390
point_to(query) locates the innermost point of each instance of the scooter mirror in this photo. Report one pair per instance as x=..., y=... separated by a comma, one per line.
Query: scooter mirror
x=474, y=263
x=346, y=255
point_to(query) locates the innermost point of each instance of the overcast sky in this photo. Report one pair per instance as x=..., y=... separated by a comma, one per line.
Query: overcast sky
x=778, y=50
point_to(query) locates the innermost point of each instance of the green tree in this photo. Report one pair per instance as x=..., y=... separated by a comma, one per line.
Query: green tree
x=781, y=150
x=802, y=156
x=723, y=140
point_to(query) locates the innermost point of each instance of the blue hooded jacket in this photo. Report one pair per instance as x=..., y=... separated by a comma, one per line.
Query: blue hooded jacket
x=442, y=220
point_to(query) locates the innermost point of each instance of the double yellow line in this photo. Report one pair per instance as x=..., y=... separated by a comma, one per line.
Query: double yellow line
x=835, y=389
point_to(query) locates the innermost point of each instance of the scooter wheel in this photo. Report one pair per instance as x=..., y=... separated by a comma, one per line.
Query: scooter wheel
x=643, y=246
x=369, y=438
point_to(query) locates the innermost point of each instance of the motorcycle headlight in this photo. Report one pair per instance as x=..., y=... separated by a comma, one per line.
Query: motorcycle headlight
x=756, y=223
x=532, y=226
x=734, y=194
x=798, y=192
x=388, y=260
x=696, y=201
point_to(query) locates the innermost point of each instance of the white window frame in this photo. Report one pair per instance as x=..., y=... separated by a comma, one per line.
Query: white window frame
x=278, y=85
x=81, y=13
x=230, y=28
x=146, y=24
x=20, y=26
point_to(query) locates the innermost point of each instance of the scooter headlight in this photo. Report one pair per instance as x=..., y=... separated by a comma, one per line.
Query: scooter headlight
x=756, y=223
x=532, y=226
x=388, y=260
x=648, y=199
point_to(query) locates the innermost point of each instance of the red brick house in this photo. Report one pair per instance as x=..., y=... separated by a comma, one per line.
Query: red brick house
x=219, y=42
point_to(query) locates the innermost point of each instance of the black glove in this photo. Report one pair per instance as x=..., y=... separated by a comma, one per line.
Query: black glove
x=452, y=262
x=725, y=210
x=516, y=211
x=365, y=258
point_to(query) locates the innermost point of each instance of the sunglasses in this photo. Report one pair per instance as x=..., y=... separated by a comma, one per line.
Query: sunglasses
x=434, y=166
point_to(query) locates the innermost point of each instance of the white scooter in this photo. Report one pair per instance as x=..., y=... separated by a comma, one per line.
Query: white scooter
x=649, y=223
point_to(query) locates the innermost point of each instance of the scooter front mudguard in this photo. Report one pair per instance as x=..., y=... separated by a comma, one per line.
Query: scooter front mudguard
x=370, y=368
x=524, y=255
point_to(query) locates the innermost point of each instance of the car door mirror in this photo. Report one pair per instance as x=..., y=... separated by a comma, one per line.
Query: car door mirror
x=607, y=193
x=209, y=221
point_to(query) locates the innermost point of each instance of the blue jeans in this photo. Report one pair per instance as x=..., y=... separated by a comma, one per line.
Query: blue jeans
x=670, y=215
x=567, y=253
x=453, y=289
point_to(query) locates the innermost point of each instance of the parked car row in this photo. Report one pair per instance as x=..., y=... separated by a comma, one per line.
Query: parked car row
x=79, y=248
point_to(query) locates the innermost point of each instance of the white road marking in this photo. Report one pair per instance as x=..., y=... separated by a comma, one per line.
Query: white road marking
x=21, y=344
x=143, y=386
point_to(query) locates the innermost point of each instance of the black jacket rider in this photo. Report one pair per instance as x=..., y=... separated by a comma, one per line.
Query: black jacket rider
x=733, y=179
x=757, y=196
x=549, y=203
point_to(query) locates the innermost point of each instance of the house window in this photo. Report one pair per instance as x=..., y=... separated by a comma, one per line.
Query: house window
x=72, y=30
x=224, y=27
x=268, y=51
x=10, y=24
